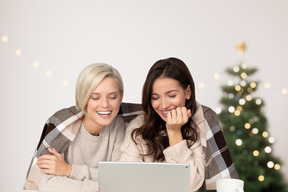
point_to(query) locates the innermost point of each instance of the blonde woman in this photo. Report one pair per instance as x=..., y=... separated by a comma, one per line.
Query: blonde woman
x=75, y=139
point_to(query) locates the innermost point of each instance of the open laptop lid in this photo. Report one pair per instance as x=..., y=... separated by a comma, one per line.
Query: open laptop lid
x=143, y=177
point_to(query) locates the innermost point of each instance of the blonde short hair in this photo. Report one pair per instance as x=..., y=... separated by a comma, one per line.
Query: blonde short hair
x=88, y=80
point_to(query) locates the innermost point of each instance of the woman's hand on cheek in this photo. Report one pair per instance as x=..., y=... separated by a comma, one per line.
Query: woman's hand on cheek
x=177, y=118
x=54, y=164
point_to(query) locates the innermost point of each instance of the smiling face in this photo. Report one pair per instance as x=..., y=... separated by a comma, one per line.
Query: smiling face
x=167, y=94
x=103, y=106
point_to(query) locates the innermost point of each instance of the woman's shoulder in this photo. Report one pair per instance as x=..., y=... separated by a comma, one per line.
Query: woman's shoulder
x=117, y=124
x=66, y=113
x=137, y=122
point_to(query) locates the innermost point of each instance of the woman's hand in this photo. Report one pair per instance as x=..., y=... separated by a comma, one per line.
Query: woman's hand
x=54, y=164
x=175, y=120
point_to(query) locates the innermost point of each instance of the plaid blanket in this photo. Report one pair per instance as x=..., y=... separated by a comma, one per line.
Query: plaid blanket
x=218, y=161
x=58, y=134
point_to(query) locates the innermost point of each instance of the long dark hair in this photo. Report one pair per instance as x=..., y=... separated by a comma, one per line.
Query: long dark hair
x=153, y=131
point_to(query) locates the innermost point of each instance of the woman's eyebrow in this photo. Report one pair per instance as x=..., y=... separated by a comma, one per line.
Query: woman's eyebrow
x=170, y=91
x=96, y=93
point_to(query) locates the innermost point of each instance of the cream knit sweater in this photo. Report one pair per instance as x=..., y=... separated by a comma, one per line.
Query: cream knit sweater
x=178, y=153
x=84, y=154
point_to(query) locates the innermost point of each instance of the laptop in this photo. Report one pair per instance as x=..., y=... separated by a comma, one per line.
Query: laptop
x=143, y=177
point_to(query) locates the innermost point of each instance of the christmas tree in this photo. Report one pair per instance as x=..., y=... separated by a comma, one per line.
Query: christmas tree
x=245, y=129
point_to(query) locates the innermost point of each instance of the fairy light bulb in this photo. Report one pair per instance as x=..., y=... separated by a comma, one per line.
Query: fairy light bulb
x=270, y=164
x=253, y=85
x=218, y=110
x=244, y=66
x=267, y=149
x=256, y=153
x=216, y=76
x=258, y=101
x=265, y=134
x=48, y=73
x=248, y=97
x=271, y=140
x=243, y=83
x=65, y=83
x=242, y=101
x=267, y=85
x=249, y=89
x=251, y=121
x=284, y=91
x=237, y=87
x=243, y=75
x=4, y=38
x=237, y=113
x=230, y=83
x=18, y=52
x=201, y=85
x=247, y=125
x=277, y=167
x=231, y=95
x=255, y=130
x=236, y=69
x=36, y=64
x=261, y=178
x=239, y=108
x=238, y=142
x=231, y=109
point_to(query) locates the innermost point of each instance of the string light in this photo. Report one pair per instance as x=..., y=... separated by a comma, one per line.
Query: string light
x=277, y=167
x=243, y=75
x=230, y=83
x=232, y=128
x=270, y=164
x=237, y=87
x=271, y=140
x=65, y=83
x=4, y=38
x=231, y=109
x=36, y=64
x=261, y=178
x=18, y=52
x=249, y=89
x=218, y=110
x=267, y=149
x=248, y=97
x=231, y=95
x=253, y=85
x=201, y=85
x=265, y=134
x=244, y=66
x=251, y=121
x=284, y=91
x=48, y=73
x=256, y=153
x=239, y=108
x=236, y=69
x=255, y=130
x=216, y=76
x=243, y=83
x=258, y=101
x=238, y=142
x=237, y=113
x=247, y=125
x=267, y=85
x=242, y=101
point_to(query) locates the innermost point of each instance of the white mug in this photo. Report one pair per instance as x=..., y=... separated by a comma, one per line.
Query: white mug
x=230, y=185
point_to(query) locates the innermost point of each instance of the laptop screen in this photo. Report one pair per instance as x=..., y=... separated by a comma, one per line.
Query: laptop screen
x=143, y=177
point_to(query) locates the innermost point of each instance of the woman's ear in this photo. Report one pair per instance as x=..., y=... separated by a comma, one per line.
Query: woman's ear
x=188, y=92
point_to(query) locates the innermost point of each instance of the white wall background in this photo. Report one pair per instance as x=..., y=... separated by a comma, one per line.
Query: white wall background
x=65, y=36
